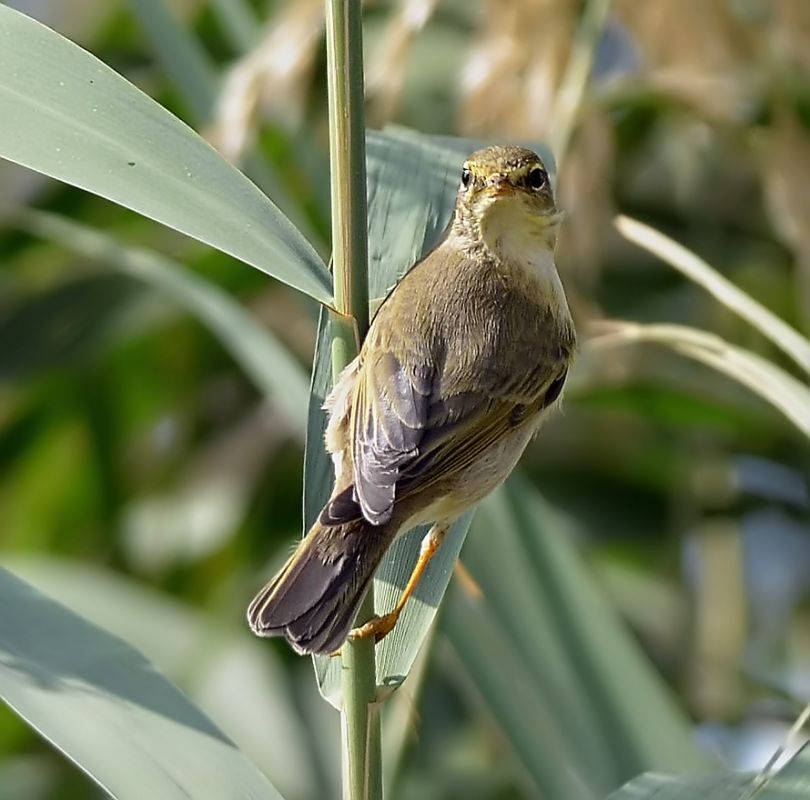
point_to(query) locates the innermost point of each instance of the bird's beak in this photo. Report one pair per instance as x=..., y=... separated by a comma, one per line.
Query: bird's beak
x=499, y=185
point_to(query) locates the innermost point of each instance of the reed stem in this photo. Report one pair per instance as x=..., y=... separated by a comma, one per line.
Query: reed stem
x=362, y=759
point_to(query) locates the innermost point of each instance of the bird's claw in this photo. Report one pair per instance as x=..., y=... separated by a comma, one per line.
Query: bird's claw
x=378, y=627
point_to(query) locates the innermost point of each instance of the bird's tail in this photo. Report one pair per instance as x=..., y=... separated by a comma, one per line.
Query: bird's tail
x=314, y=598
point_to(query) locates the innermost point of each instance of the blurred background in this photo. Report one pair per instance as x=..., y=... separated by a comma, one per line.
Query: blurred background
x=145, y=482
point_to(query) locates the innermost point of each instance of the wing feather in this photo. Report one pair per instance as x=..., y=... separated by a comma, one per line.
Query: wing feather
x=390, y=421
x=406, y=439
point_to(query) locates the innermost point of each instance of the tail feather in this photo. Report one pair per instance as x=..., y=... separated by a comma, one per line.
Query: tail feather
x=314, y=598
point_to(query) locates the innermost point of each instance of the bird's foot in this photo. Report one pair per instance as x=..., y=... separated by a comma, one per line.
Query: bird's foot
x=378, y=627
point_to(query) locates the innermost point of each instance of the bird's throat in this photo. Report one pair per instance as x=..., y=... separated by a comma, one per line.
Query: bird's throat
x=523, y=242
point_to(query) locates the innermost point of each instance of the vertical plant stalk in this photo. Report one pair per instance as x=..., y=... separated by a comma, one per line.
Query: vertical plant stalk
x=362, y=759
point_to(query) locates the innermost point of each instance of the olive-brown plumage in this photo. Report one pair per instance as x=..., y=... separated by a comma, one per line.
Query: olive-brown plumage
x=460, y=363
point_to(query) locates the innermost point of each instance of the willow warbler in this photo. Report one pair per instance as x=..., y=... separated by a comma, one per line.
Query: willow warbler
x=462, y=361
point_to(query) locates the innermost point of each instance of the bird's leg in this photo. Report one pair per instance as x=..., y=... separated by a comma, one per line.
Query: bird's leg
x=378, y=627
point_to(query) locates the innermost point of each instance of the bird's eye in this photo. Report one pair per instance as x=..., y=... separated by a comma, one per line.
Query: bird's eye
x=536, y=179
x=466, y=177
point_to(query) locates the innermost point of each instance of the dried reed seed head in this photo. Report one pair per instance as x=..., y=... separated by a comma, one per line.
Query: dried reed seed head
x=789, y=31
x=272, y=80
x=387, y=71
x=510, y=81
x=699, y=51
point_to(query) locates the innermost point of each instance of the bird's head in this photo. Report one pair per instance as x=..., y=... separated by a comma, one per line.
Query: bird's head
x=506, y=188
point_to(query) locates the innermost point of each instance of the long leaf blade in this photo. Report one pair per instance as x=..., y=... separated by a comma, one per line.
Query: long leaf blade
x=784, y=392
x=68, y=115
x=785, y=337
x=640, y=719
x=791, y=783
x=107, y=709
x=242, y=686
x=581, y=689
x=265, y=360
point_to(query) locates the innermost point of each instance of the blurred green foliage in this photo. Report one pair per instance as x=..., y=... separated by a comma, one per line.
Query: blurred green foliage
x=134, y=438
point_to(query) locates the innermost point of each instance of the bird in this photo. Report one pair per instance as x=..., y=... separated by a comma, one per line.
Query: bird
x=463, y=360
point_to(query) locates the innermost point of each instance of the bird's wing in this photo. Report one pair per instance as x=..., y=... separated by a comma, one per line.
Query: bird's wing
x=391, y=417
x=407, y=436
